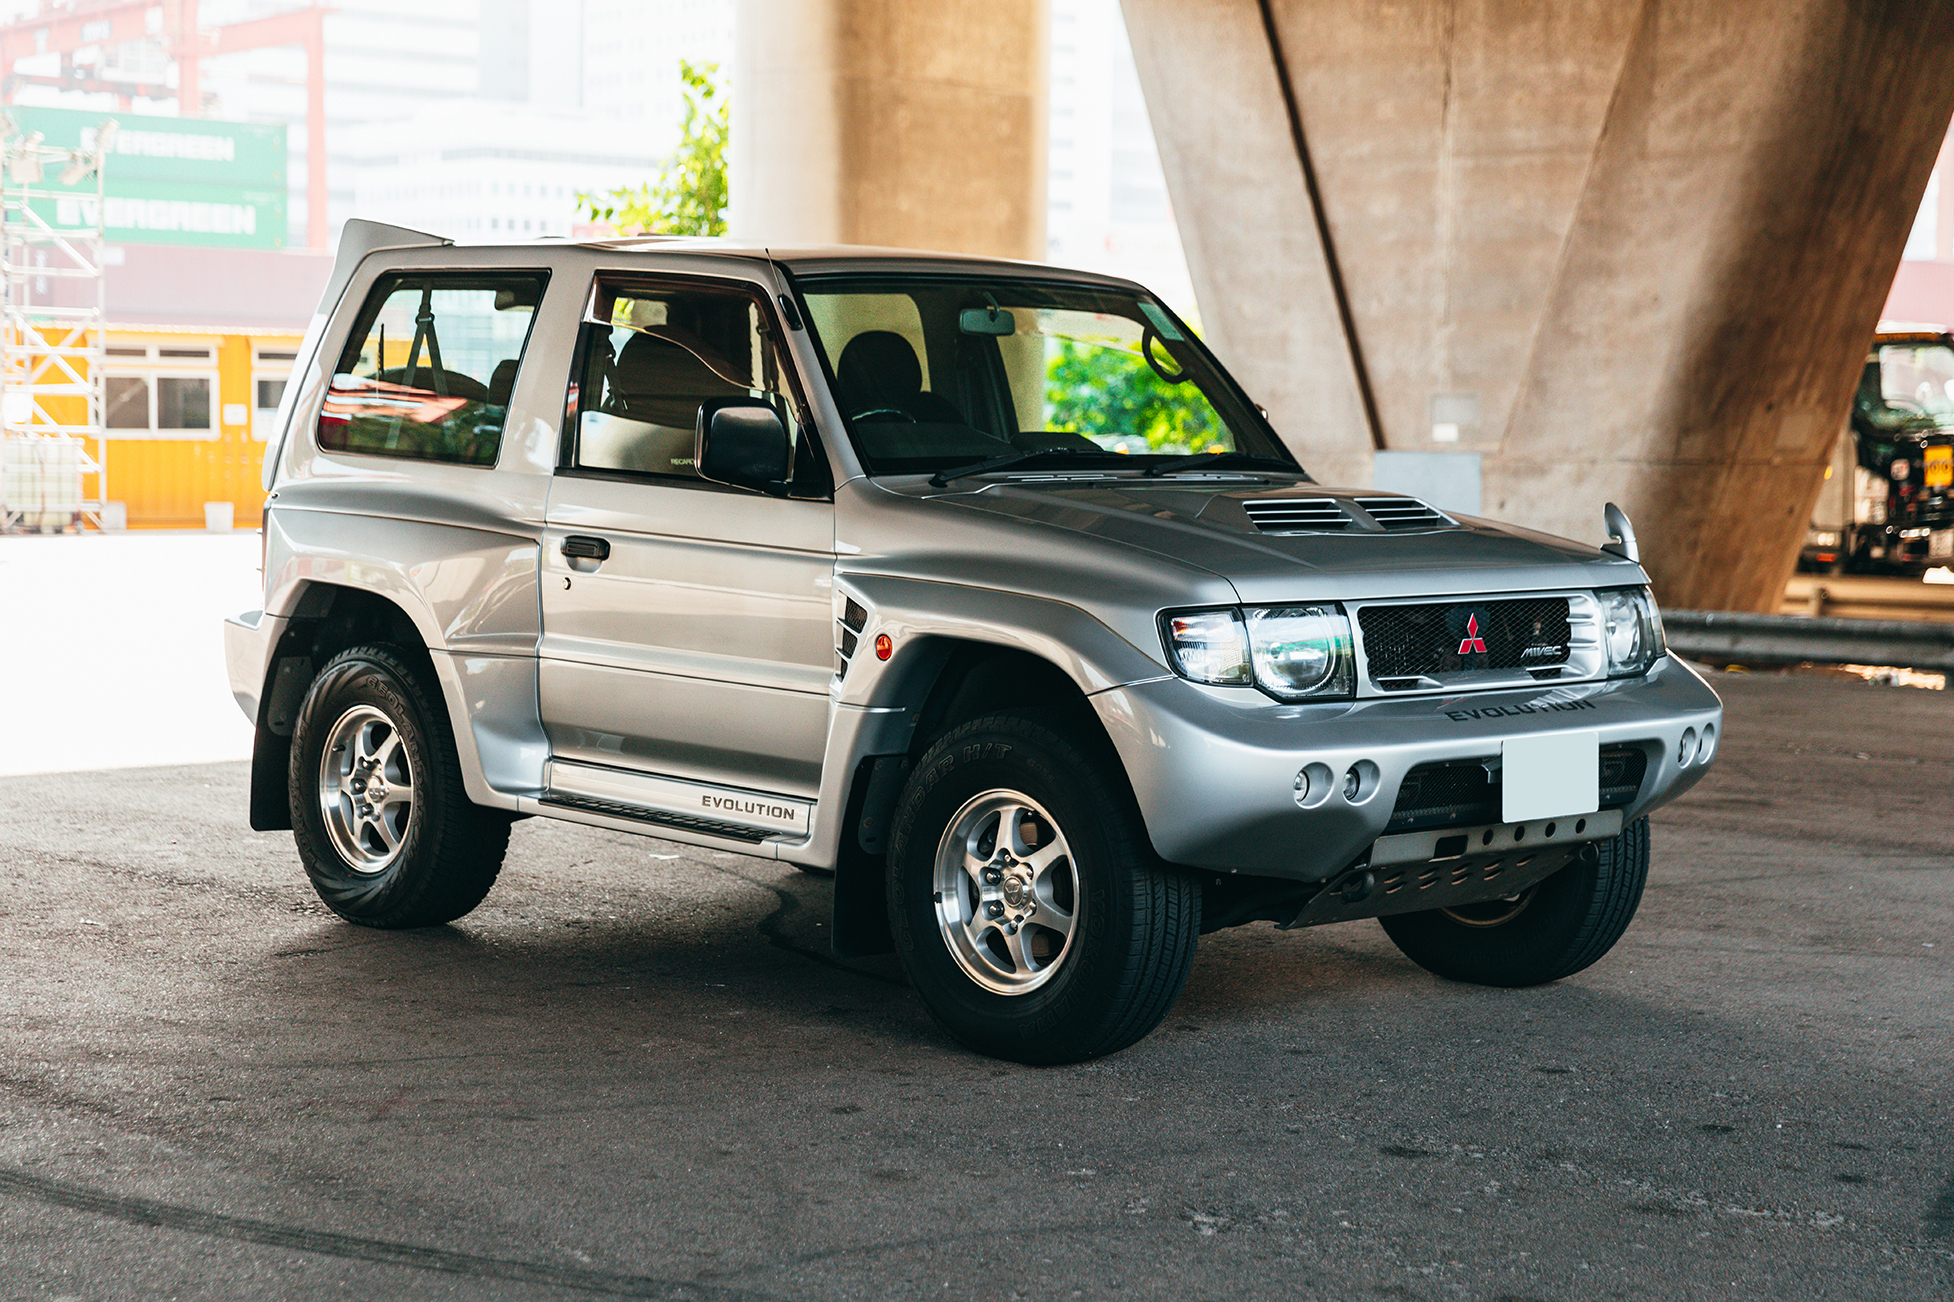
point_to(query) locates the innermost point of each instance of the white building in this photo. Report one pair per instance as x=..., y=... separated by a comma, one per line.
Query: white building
x=1107, y=207
x=472, y=117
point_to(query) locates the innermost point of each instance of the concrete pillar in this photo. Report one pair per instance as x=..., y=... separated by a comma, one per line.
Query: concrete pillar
x=910, y=123
x=1621, y=251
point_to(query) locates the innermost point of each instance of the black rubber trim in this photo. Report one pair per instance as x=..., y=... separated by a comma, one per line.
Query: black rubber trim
x=639, y=814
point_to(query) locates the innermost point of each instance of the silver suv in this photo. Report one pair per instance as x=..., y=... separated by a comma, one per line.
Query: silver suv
x=979, y=585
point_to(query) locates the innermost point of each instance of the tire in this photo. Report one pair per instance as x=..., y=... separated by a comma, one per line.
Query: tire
x=1103, y=932
x=1551, y=931
x=413, y=860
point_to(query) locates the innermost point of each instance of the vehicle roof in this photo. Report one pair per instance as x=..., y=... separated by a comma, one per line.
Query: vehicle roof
x=1910, y=332
x=824, y=259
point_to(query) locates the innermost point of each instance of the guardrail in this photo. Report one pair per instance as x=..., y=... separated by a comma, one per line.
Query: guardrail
x=1725, y=636
x=1855, y=596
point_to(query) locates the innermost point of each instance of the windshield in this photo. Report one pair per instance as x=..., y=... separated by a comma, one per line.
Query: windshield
x=934, y=373
x=1917, y=379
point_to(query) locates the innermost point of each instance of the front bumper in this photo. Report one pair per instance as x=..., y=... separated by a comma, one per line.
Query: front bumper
x=1214, y=769
x=248, y=643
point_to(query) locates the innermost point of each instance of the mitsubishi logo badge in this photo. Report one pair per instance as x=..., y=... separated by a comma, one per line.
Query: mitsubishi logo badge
x=1472, y=644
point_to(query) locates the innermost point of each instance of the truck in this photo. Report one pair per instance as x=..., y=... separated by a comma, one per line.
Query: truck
x=1887, y=503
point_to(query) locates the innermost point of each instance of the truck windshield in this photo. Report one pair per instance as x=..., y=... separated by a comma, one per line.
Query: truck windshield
x=1913, y=380
x=935, y=373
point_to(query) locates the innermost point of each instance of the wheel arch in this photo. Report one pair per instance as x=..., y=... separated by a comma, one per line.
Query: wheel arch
x=955, y=654
x=324, y=619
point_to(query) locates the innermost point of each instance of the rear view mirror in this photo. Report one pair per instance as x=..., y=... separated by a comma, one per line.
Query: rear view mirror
x=742, y=442
x=991, y=320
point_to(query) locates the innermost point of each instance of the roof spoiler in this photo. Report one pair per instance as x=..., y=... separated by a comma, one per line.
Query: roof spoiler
x=360, y=237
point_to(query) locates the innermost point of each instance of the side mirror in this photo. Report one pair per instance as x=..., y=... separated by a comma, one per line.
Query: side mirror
x=742, y=442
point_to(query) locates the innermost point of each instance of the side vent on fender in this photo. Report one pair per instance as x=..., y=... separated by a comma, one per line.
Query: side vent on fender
x=852, y=620
x=1297, y=514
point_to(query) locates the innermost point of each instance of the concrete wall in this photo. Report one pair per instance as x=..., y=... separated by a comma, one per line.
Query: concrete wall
x=910, y=123
x=1622, y=251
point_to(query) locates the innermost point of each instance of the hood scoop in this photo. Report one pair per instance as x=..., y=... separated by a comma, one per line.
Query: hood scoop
x=1288, y=515
x=1298, y=514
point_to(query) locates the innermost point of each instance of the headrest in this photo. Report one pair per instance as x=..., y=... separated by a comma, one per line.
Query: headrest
x=879, y=368
x=650, y=365
x=502, y=382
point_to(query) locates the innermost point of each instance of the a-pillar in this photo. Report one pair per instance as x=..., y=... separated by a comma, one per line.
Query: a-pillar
x=905, y=123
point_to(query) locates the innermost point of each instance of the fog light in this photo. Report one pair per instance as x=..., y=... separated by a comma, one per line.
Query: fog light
x=1313, y=785
x=1687, y=751
x=1360, y=782
x=1709, y=745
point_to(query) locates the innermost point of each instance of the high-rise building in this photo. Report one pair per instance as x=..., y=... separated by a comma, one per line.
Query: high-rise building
x=479, y=118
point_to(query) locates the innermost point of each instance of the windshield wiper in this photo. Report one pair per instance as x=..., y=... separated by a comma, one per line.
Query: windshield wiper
x=943, y=477
x=1199, y=459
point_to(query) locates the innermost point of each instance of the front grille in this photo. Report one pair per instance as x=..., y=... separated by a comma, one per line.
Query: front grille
x=1461, y=793
x=1404, y=513
x=1297, y=514
x=1444, y=637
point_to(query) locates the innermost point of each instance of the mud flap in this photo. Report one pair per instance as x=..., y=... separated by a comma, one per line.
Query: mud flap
x=861, y=921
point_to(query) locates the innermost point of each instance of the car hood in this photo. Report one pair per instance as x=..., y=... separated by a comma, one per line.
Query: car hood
x=1284, y=541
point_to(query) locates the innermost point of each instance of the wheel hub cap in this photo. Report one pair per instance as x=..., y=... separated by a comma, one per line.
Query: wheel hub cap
x=1007, y=892
x=366, y=789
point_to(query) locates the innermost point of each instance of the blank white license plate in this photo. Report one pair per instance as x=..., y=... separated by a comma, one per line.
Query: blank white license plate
x=1549, y=776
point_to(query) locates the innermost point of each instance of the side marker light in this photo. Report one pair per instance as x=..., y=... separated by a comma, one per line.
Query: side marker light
x=884, y=648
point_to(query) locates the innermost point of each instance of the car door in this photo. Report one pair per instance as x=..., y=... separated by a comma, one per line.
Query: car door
x=687, y=636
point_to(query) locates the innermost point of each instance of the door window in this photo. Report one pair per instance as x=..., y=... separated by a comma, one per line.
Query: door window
x=429, y=369
x=654, y=356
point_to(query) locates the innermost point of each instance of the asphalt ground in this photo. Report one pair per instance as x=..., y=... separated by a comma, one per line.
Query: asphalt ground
x=634, y=1072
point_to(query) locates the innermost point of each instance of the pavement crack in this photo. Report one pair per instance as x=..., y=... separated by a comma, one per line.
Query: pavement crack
x=188, y=1220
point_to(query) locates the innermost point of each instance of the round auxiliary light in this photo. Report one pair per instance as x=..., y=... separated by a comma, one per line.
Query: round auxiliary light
x=1360, y=782
x=884, y=647
x=1313, y=785
x=1687, y=751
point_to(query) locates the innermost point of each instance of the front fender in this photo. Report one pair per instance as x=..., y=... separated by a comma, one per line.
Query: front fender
x=918, y=615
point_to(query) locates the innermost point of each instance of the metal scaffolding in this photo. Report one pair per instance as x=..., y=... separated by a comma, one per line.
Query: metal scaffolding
x=52, y=313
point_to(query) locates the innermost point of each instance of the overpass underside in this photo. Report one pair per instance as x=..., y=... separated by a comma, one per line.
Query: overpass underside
x=1627, y=251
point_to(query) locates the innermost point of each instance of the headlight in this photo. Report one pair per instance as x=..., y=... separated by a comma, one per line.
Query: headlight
x=1631, y=629
x=1291, y=652
x=1300, y=651
x=1208, y=646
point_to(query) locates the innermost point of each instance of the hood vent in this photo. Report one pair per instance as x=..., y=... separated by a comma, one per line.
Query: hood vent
x=1297, y=514
x=1395, y=513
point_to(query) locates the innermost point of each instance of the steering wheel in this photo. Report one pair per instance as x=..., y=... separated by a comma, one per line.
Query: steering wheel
x=897, y=412
x=1148, y=338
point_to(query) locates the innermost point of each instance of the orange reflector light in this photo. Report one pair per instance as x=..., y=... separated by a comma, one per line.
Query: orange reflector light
x=884, y=648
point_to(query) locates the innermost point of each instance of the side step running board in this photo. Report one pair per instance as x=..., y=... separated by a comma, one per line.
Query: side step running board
x=639, y=814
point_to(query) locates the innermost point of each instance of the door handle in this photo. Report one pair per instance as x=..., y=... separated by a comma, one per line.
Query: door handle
x=582, y=547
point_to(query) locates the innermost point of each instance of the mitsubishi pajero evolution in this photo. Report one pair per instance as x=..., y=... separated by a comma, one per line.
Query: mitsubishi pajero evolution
x=981, y=585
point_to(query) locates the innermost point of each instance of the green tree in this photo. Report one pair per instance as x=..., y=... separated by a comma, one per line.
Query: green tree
x=1102, y=392
x=690, y=198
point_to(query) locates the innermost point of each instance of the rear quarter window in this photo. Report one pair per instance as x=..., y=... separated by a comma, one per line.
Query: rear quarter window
x=429, y=369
